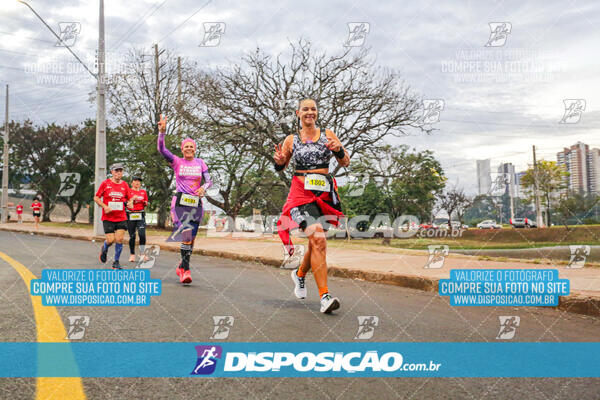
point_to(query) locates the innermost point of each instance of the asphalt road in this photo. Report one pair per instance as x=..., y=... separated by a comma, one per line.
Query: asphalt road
x=260, y=299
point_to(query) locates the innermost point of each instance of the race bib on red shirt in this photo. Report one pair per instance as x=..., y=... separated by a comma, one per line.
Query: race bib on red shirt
x=114, y=195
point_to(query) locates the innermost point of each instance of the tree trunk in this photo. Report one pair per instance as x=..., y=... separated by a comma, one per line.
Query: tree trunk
x=91, y=213
x=161, y=221
x=548, y=221
x=74, y=211
x=47, y=210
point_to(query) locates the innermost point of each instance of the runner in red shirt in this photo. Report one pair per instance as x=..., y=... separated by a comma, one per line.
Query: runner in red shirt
x=136, y=218
x=37, y=211
x=111, y=196
x=20, y=213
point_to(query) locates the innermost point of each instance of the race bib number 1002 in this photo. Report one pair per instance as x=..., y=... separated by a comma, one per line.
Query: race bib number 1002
x=316, y=182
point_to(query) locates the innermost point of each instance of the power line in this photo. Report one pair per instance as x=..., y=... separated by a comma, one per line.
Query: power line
x=18, y=52
x=137, y=25
x=27, y=37
x=186, y=20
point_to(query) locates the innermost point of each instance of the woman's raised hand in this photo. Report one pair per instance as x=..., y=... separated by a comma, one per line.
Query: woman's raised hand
x=279, y=156
x=333, y=144
x=162, y=124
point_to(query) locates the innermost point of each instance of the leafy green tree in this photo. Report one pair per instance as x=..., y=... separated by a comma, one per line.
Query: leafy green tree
x=409, y=180
x=575, y=206
x=78, y=157
x=551, y=179
x=238, y=176
x=371, y=202
x=37, y=154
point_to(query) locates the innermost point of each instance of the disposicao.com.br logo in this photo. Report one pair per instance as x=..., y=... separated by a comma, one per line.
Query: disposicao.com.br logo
x=310, y=363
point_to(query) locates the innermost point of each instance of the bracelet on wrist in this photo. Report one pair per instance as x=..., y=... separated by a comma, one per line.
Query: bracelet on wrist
x=340, y=153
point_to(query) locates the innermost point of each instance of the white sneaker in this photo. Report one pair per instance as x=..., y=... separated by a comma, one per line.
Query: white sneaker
x=300, y=288
x=328, y=303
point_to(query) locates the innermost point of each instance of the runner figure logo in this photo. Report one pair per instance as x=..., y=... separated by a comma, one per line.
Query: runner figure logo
x=356, y=185
x=499, y=184
x=499, y=32
x=68, y=32
x=357, y=34
x=293, y=261
x=286, y=111
x=215, y=189
x=222, y=326
x=148, y=259
x=207, y=359
x=185, y=225
x=68, y=183
x=212, y=34
x=432, y=109
x=366, y=326
x=437, y=255
x=574, y=108
x=77, y=325
x=508, y=327
x=579, y=254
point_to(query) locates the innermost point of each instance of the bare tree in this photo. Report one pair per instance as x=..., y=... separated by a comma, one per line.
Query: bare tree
x=253, y=102
x=409, y=180
x=237, y=175
x=455, y=201
x=138, y=96
x=464, y=203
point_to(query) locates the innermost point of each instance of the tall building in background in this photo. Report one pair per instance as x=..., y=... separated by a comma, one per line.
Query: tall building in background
x=594, y=170
x=519, y=191
x=583, y=166
x=507, y=172
x=509, y=168
x=484, y=177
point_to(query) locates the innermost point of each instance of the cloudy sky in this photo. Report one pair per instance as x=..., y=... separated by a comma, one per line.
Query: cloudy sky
x=498, y=100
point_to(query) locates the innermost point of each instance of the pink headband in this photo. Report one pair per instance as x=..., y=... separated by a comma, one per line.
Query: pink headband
x=184, y=141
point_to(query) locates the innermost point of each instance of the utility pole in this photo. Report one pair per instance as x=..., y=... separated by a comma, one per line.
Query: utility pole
x=100, y=170
x=5, y=166
x=538, y=211
x=178, y=87
x=511, y=187
x=100, y=162
x=156, y=88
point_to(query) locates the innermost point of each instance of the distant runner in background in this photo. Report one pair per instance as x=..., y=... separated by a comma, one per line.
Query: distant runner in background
x=136, y=217
x=36, y=206
x=20, y=213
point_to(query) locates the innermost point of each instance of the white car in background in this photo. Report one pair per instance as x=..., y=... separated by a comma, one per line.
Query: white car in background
x=488, y=224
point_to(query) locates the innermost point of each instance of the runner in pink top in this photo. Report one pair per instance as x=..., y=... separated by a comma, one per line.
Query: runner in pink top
x=191, y=181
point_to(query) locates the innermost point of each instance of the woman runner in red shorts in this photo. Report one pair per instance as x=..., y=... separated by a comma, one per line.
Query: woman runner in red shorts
x=313, y=200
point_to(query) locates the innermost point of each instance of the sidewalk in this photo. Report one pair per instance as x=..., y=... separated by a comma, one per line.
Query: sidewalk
x=386, y=265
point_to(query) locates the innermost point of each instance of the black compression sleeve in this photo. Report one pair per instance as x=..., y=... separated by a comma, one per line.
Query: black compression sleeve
x=279, y=167
x=340, y=153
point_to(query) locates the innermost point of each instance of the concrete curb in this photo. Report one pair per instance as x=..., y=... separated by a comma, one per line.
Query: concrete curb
x=575, y=303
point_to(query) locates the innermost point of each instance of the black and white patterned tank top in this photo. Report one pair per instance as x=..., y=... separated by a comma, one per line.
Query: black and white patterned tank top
x=313, y=155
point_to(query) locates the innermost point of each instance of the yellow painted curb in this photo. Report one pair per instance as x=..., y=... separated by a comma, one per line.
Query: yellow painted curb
x=50, y=329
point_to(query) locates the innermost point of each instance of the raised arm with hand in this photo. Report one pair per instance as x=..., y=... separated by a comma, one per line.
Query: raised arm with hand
x=162, y=130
